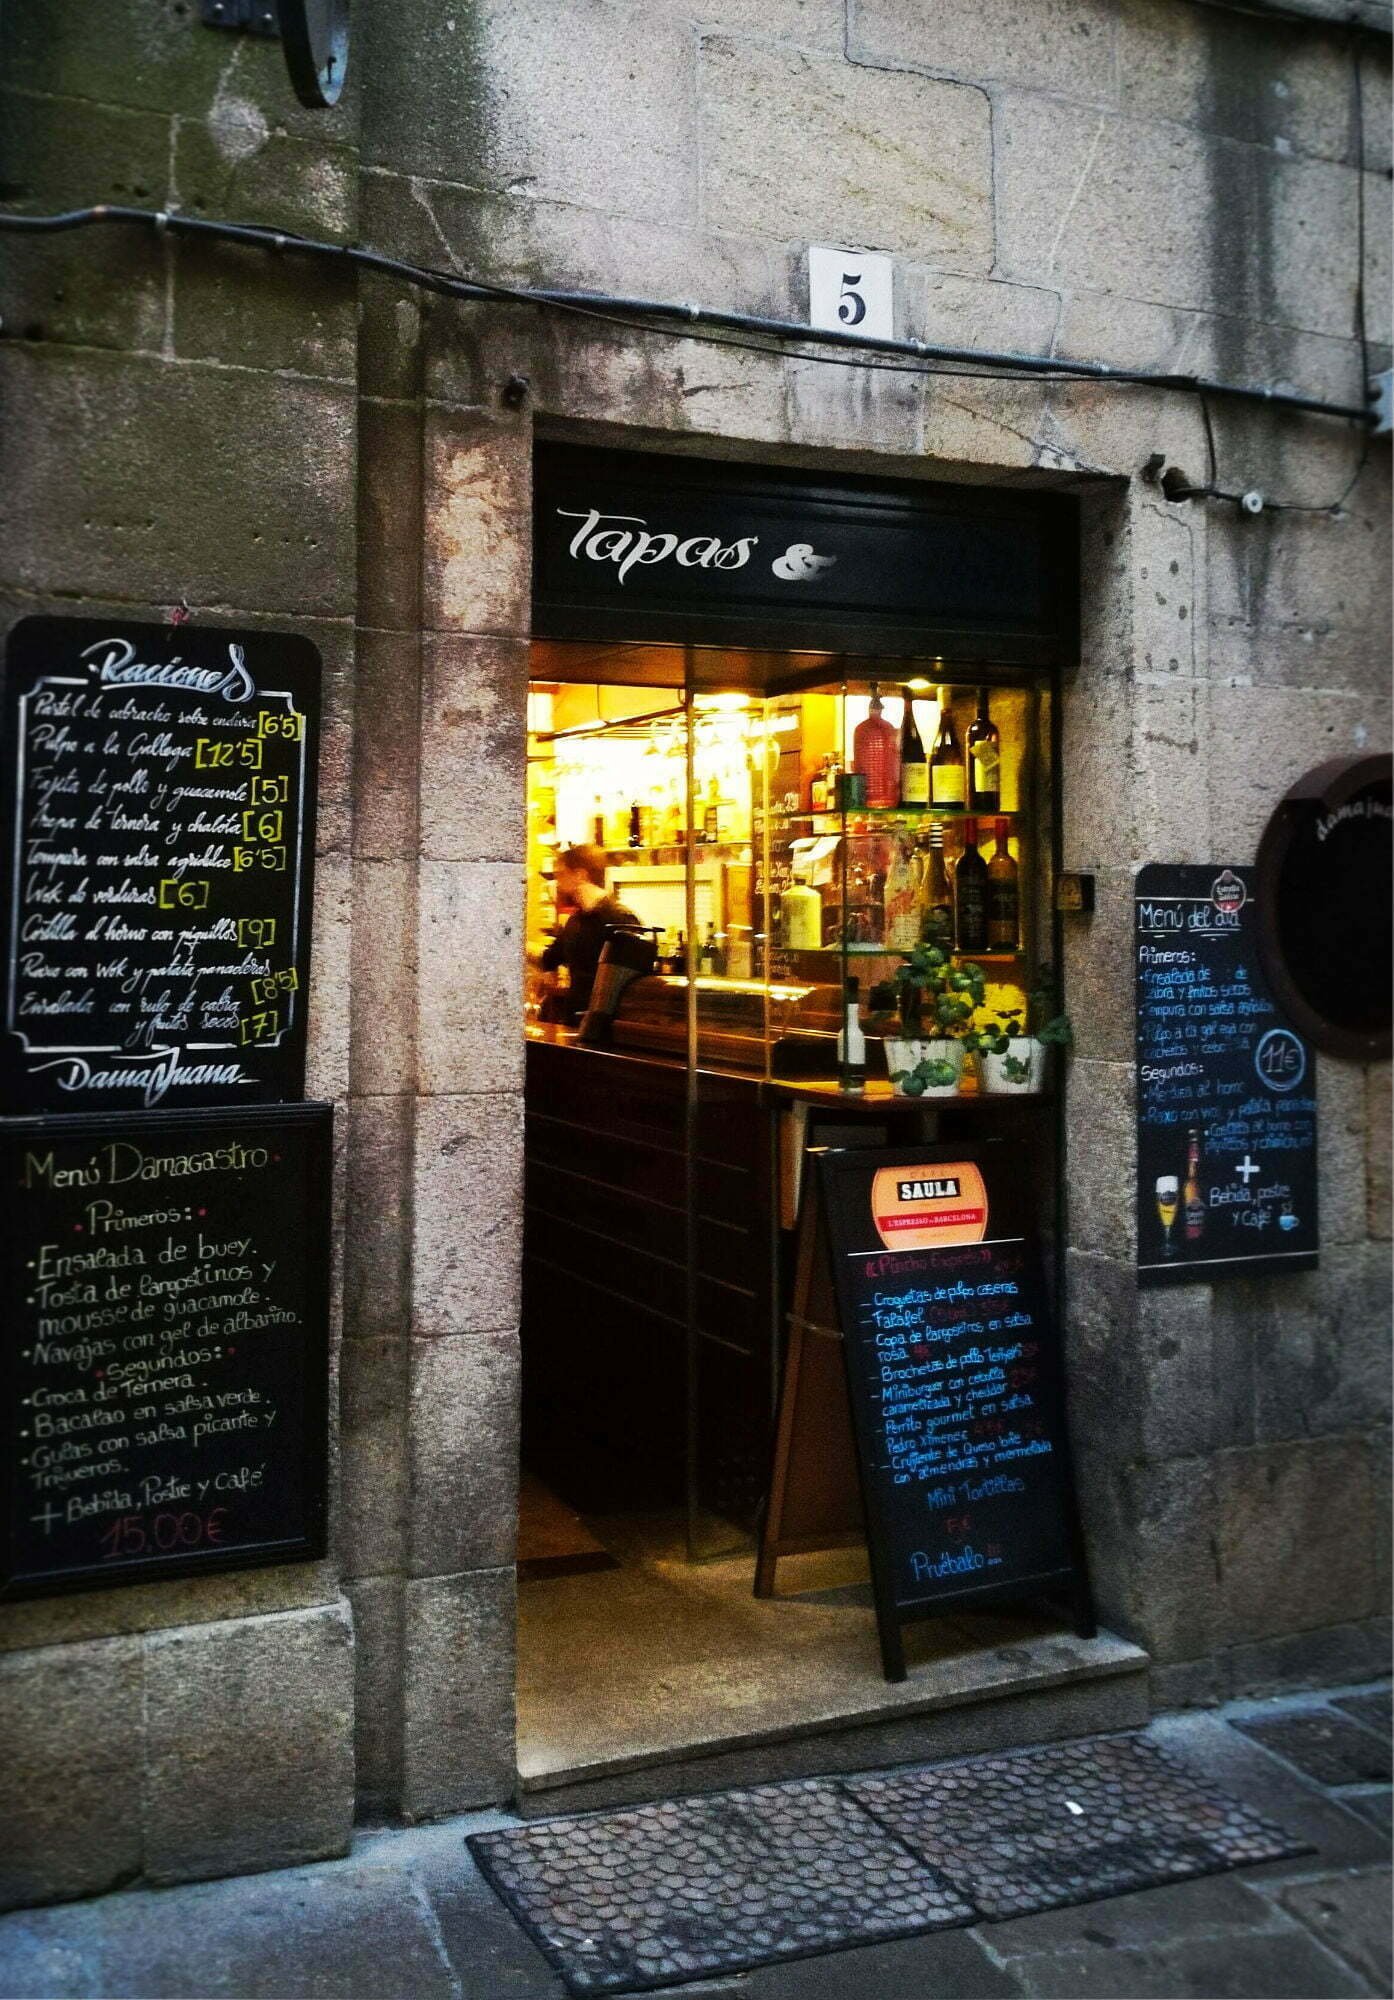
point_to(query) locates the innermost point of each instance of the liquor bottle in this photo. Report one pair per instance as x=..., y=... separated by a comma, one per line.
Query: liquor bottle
x=946, y=776
x=970, y=892
x=801, y=914
x=914, y=770
x=598, y=821
x=711, y=815
x=1003, y=896
x=1192, y=1200
x=818, y=789
x=636, y=826
x=677, y=964
x=876, y=755
x=706, y=957
x=901, y=899
x=851, y=1042
x=984, y=761
x=937, y=901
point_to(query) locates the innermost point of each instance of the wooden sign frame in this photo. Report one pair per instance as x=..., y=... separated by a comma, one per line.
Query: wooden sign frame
x=810, y=1507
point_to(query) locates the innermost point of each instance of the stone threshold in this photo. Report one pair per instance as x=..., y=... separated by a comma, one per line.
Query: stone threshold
x=1034, y=1689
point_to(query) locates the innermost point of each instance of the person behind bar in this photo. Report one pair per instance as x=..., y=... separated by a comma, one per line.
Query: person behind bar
x=580, y=878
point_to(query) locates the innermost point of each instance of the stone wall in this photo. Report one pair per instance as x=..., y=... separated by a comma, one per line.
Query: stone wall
x=1147, y=182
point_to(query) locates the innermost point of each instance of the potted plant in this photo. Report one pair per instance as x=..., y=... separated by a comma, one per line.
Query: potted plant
x=926, y=1009
x=1012, y=1056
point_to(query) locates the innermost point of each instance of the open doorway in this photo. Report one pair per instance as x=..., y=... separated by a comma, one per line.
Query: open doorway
x=727, y=808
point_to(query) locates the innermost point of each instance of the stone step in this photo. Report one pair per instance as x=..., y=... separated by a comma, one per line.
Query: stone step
x=1060, y=1687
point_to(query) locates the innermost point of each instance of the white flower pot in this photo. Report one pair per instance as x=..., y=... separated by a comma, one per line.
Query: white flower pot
x=1001, y=1074
x=902, y=1056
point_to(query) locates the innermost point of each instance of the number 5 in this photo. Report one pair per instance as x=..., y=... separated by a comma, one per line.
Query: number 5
x=851, y=306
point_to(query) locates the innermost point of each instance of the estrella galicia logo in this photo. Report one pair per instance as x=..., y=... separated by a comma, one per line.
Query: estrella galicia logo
x=799, y=564
x=1280, y=1059
x=1228, y=893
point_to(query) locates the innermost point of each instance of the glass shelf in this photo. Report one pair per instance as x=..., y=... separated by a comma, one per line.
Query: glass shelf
x=886, y=815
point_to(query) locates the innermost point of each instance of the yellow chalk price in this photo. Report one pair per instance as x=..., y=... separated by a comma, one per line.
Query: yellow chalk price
x=256, y=931
x=267, y=827
x=183, y=895
x=271, y=984
x=272, y=859
x=259, y=1027
x=290, y=728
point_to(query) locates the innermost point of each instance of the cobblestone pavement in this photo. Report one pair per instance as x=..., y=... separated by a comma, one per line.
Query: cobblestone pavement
x=407, y=1915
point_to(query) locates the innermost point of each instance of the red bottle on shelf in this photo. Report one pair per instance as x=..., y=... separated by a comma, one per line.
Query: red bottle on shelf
x=876, y=755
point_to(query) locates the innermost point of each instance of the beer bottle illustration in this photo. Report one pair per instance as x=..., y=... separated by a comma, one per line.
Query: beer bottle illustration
x=1192, y=1200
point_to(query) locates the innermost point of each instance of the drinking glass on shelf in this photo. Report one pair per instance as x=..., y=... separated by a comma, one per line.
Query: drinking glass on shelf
x=1168, y=1195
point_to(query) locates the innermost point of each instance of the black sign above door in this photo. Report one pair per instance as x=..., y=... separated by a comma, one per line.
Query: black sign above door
x=632, y=546
x=1226, y=1089
x=1325, y=893
x=157, y=818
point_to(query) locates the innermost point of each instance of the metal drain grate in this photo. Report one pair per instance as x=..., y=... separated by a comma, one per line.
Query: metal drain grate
x=1069, y=1824
x=655, y=1895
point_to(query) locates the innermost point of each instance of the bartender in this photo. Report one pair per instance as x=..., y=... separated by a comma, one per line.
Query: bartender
x=580, y=880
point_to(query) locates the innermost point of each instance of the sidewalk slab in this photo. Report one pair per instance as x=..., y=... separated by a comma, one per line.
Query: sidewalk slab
x=1350, y=1914
x=1262, y=1966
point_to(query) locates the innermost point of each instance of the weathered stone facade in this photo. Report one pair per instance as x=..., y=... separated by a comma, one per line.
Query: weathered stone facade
x=1145, y=182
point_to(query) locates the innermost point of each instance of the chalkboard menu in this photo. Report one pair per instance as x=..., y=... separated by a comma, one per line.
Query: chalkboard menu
x=955, y=1378
x=166, y=1343
x=1226, y=1089
x=157, y=804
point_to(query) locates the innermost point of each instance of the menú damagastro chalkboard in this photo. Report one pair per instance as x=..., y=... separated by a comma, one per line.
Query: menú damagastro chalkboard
x=955, y=1380
x=157, y=817
x=163, y=1396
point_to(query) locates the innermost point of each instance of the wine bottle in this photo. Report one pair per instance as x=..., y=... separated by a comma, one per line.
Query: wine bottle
x=1003, y=896
x=970, y=892
x=598, y=821
x=984, y=761
x=946, y=776
x=711, y=816
x=1192, y=1199
x=876, y=755
x=636, y=826
x=937, y=922
x=914, y=770
x=851, y=1043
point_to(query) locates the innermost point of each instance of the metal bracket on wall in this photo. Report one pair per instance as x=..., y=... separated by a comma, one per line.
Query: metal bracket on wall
x=253, y=17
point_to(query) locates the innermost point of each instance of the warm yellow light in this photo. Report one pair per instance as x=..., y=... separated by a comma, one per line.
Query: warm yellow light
x=728, y=703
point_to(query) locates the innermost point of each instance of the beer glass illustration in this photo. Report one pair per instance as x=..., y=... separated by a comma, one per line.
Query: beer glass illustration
x=1168, y=1197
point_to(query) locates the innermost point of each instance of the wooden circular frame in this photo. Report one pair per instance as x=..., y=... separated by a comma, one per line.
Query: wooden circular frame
x=1324, y=788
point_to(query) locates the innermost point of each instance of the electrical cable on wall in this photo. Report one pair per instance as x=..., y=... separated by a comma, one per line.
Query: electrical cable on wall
x=745, y=332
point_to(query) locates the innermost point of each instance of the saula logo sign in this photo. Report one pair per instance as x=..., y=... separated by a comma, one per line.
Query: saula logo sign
x=920, y=1208
x=627, y=541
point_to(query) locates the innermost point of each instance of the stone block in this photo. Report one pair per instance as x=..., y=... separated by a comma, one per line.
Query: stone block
x=384, y=978
x=470, y=1002
x=986, y=426
x=1327, y=1657
x=811, y=24
x=1193, y=1386
x=157, y=55
x=1293, y=1533
x=458, y=1727
x=857, y=408
x=1101, y=1343
x=1323, y=569
x=389, y=516
x=1379, y=1114
x=473, y=748
x=1173, y=1589
x=1283, y=1965
x=1190, y=1684
x=249, y=1744
x=1065, y=47
x=385, y=783
x=327, y=1044
x=1378, y=1446
x=377, y=1690
x=1349, y=1912
x=72, y=1724
x=377, y=1240
x=468, y=1213
x=1323, y=1347
x=772, y=117
x=1258, y=746
x=1097, y=960
x=1341, y=1144
x=464, y=1452
x=477, y=525
x=237, y=304
x=1101, y=1139
x=1174, y=747
x=114, y=477
x=370, y=1535
x=1265, y=81
x=90, y=288
x=487, y=97
x=1375, y=106
x=960, y=311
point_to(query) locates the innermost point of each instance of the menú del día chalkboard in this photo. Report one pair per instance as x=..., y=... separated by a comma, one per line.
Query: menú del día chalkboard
x=956, y=1384
x=157, y=808
x=1226, y=1089
x=166, y=1346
